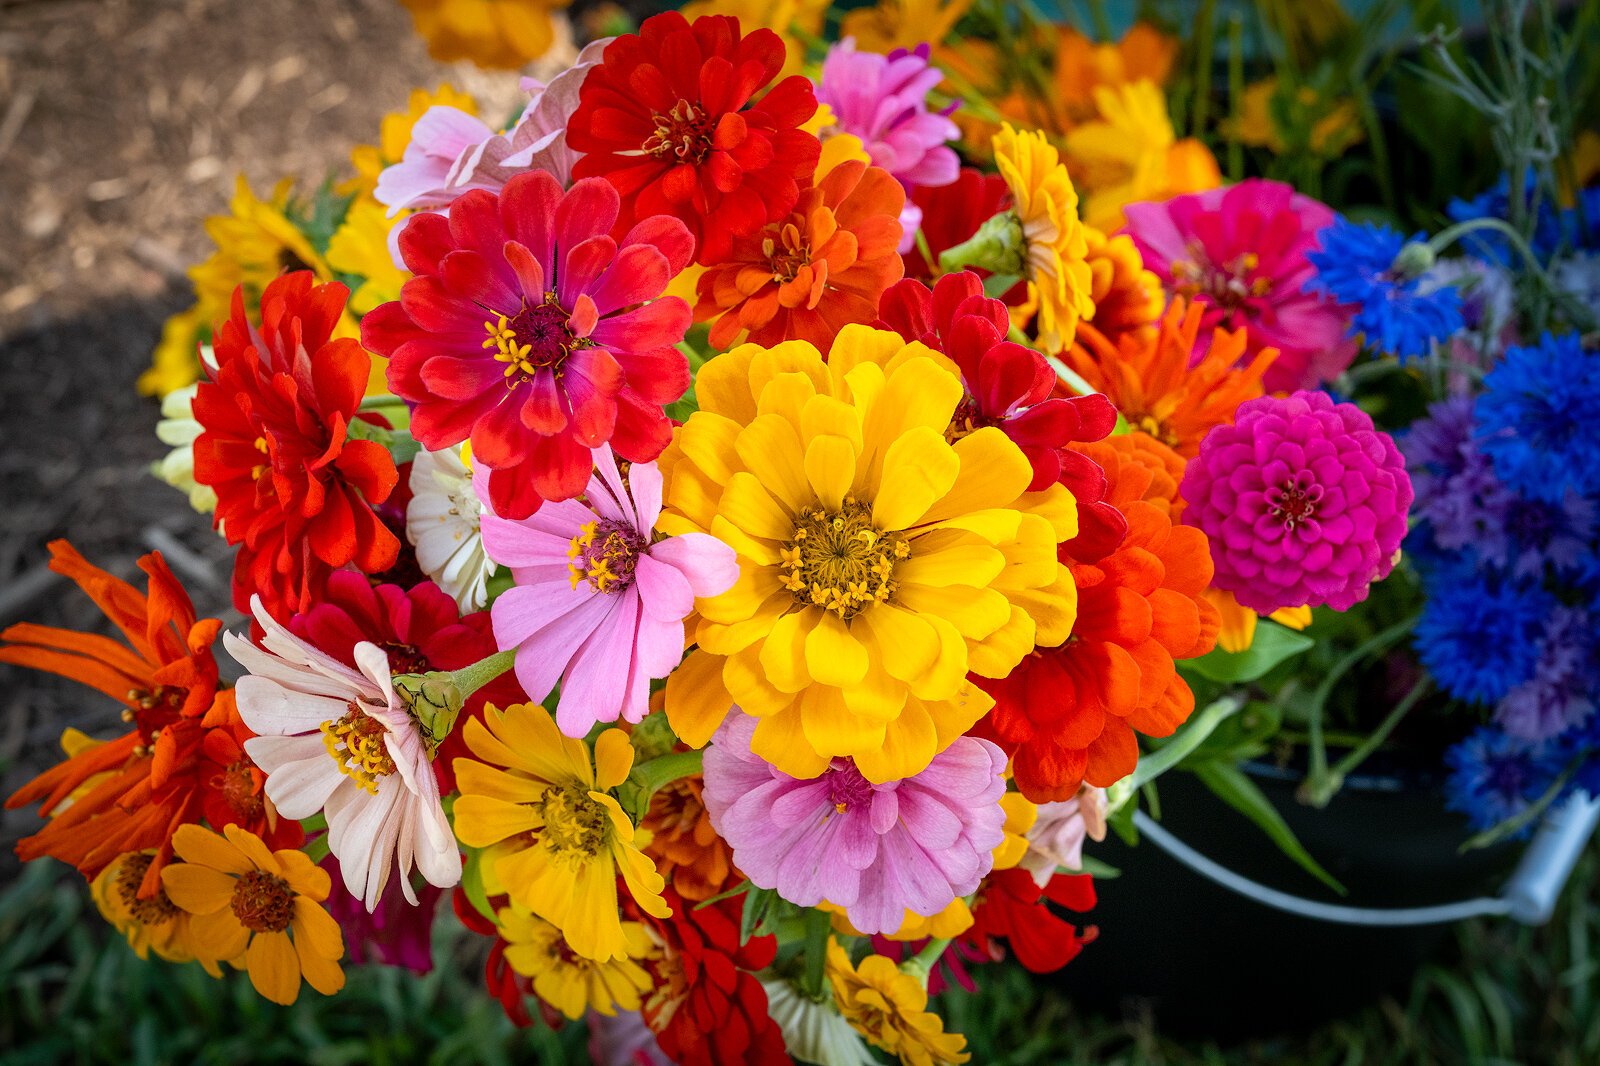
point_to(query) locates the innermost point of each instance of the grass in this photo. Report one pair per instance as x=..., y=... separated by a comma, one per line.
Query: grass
x=70, y=991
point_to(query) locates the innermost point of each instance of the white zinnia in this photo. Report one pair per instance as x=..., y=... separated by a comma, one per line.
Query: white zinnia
x=336, y=740
x=442, y=522
x=178, y=429
x=815, y=1032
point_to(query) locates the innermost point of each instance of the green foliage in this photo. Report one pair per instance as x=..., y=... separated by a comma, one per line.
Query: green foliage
x=1272, y=645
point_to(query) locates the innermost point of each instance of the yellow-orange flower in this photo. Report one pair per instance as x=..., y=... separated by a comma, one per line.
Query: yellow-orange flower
x=879, y=563
x=498, y=34
x=1045, y=202
x=782, y=17
x=557, y=837
x=1082, y=66
x=1153, y=385
x=1238, y=630
x=688, y=852
x=890, y=1008
x=149, y=923
x=394, y=133
x=1304, y=121
x=175, y=363
x=1138, y=467
x=567, y=981
x=895, y=24
x=360, y=246
x=246, y=901
x=1126, y=296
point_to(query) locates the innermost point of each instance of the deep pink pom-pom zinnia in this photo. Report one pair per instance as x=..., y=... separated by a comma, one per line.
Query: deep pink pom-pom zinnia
x=1303, y=500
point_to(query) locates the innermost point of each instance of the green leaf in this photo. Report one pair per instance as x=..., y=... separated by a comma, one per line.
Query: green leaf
x=1273, y=644
x=756, y=904
x=997, y=285
x=472, y=883
x=1232, y=787
x=1189, y=736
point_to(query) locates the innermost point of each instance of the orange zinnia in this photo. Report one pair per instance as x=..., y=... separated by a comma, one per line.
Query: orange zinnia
x=687, y=850
x=1138, y=467
x=811, y=274
x=1126, y=296
x=136, y=790
x=1151, y=380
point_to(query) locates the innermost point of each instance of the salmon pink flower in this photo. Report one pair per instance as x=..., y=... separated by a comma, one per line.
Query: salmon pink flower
x=597, y=604
x=664, y=119
x=530, y=330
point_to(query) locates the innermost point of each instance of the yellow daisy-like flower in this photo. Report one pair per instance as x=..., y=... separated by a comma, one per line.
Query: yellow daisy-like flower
x=782, y=17
x=879, y=562
x=496, y=34
x=151, y=923
x=174, y=364
x=1126, y=296
x=895, y=24
x=1045, y=202
x=255, y=242
x=558, y=838
x=360, y=246
x=890, y=1009
x=246, y=901
x=394, y=133
x=567, y=981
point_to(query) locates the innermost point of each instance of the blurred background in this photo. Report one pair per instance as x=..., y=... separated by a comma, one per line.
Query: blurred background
x=124, y=125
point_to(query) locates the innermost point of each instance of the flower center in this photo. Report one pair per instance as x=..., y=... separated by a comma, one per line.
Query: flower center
x=576, y=825
x=157, y=909
x=405, y=658
x=682, y=135
x=968, y=418
x=1229, y=286
x=787, y=252
x=605, y=553
x=239, y=788
x=263, y=902
x=533, y=339
x=841, y=562
x=846, y=787
x=1295, y=501
x=356, y=744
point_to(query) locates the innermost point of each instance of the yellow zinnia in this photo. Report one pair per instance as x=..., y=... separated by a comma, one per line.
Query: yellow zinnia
x=360, y=246
x=1125, y=295
x=782, y=17
x=150, y=923
x=1045, y=202
x=1238, y=629
x=394, y=134
x=890, y=1008
x=880, y=559
x=558, y=838
x=498, y=34
x=175, y=363
x=895, y=24
x=245, y=902
x=568, y=982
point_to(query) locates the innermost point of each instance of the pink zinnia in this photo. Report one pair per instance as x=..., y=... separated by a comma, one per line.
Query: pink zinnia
x=530, y=330
x=395, y=934
x=1056, y=838
x=878, y=851
x=597, y=603
x=884, y=101
x=1241, y=252
x=1302, y=500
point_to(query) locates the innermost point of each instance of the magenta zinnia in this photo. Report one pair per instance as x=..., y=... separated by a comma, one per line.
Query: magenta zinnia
x=530, y=331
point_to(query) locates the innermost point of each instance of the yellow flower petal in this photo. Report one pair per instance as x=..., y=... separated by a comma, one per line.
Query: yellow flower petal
x=783, y=654
x=750, y=507
x=834, y=656
x=918, y=469
x=613, y=758
x=197, y=889
x=830, y=470
x=316, y=931
x=196, y=844
x=274, y=967
x=696, y=699
x=218, y=937
x=481, y=820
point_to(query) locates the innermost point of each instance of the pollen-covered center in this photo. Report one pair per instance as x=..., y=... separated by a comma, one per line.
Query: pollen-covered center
x=533, y=339
x=1295, y=501
x=239, y=787
x=577, y=826
x=847, y=789
x=1228, y=285
x=356, y=743
x=787, y=252
x=841, y=562
x=263, y=902
x=681, y=135
x=605, y=553
x=148, y=911
x=968, y=419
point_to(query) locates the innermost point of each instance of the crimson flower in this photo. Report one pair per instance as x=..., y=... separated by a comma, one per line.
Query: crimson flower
x=952, y=213
x=1012, y=907
x=530, y=330
x=1009, y=385
x=295, y=487
x=707, y=1008
x=664, y=119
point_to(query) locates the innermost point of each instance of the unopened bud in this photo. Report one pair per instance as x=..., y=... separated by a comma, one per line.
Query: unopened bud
x=434, y=703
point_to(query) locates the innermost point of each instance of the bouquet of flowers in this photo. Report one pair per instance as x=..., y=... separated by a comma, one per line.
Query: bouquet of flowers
x=739, y=527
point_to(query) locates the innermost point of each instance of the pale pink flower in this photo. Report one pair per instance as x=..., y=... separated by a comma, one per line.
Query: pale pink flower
x=337, y=740
x=1056, y=839
x=599, y=605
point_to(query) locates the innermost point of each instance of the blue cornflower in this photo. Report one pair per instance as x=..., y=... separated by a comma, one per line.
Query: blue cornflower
x=1556, y=229
x=1494, y=777
x=1356, y=265
x=1479, y=633
x=1538, y=416
x=1561, y=693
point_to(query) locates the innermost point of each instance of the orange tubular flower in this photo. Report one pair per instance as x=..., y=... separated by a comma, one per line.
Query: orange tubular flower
x=1150, y=379
x=136, y=790
x=688, y=852
x=812, y=273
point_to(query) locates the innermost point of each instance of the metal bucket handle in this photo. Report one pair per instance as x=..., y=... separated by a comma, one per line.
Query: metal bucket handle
x=1528, y=897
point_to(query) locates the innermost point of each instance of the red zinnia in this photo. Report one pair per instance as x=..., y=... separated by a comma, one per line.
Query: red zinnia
x=952, y=213
x=420, y=629
x=182, y=758
x=707, y=1008
x=663, y=118
x=294, y=488
x=1013, y=907
x=528, y=329
x=1009, y=385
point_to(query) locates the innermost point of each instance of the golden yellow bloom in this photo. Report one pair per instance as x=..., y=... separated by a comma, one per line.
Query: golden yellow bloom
x=149, y=924
x=175, y=362
x=836, y=147
x=255, y=242
x=1239, y=622
x=1126, y=296
x=246, y=901
x=394, y=133
x=879, y=562
x=558, y=837
x=902, y=23
x=1131, y=154
x=567, y=981
x=497, y=34
x=360, y=246
x=1083, y=66
x=890, y=1009
x=782, y=17
x=1044, y=200
x=1325, y=127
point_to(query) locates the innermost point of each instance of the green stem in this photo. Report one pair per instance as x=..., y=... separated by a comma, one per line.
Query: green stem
x=1069, y=377
x=1452, y=234
x=379, y=402
x=1319, y=791
x=1205, y=37
x=1319, y=699
x=922, y=963
x=1194, y=733
x=470, y=679
x=819, y=927
x=665, y=769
